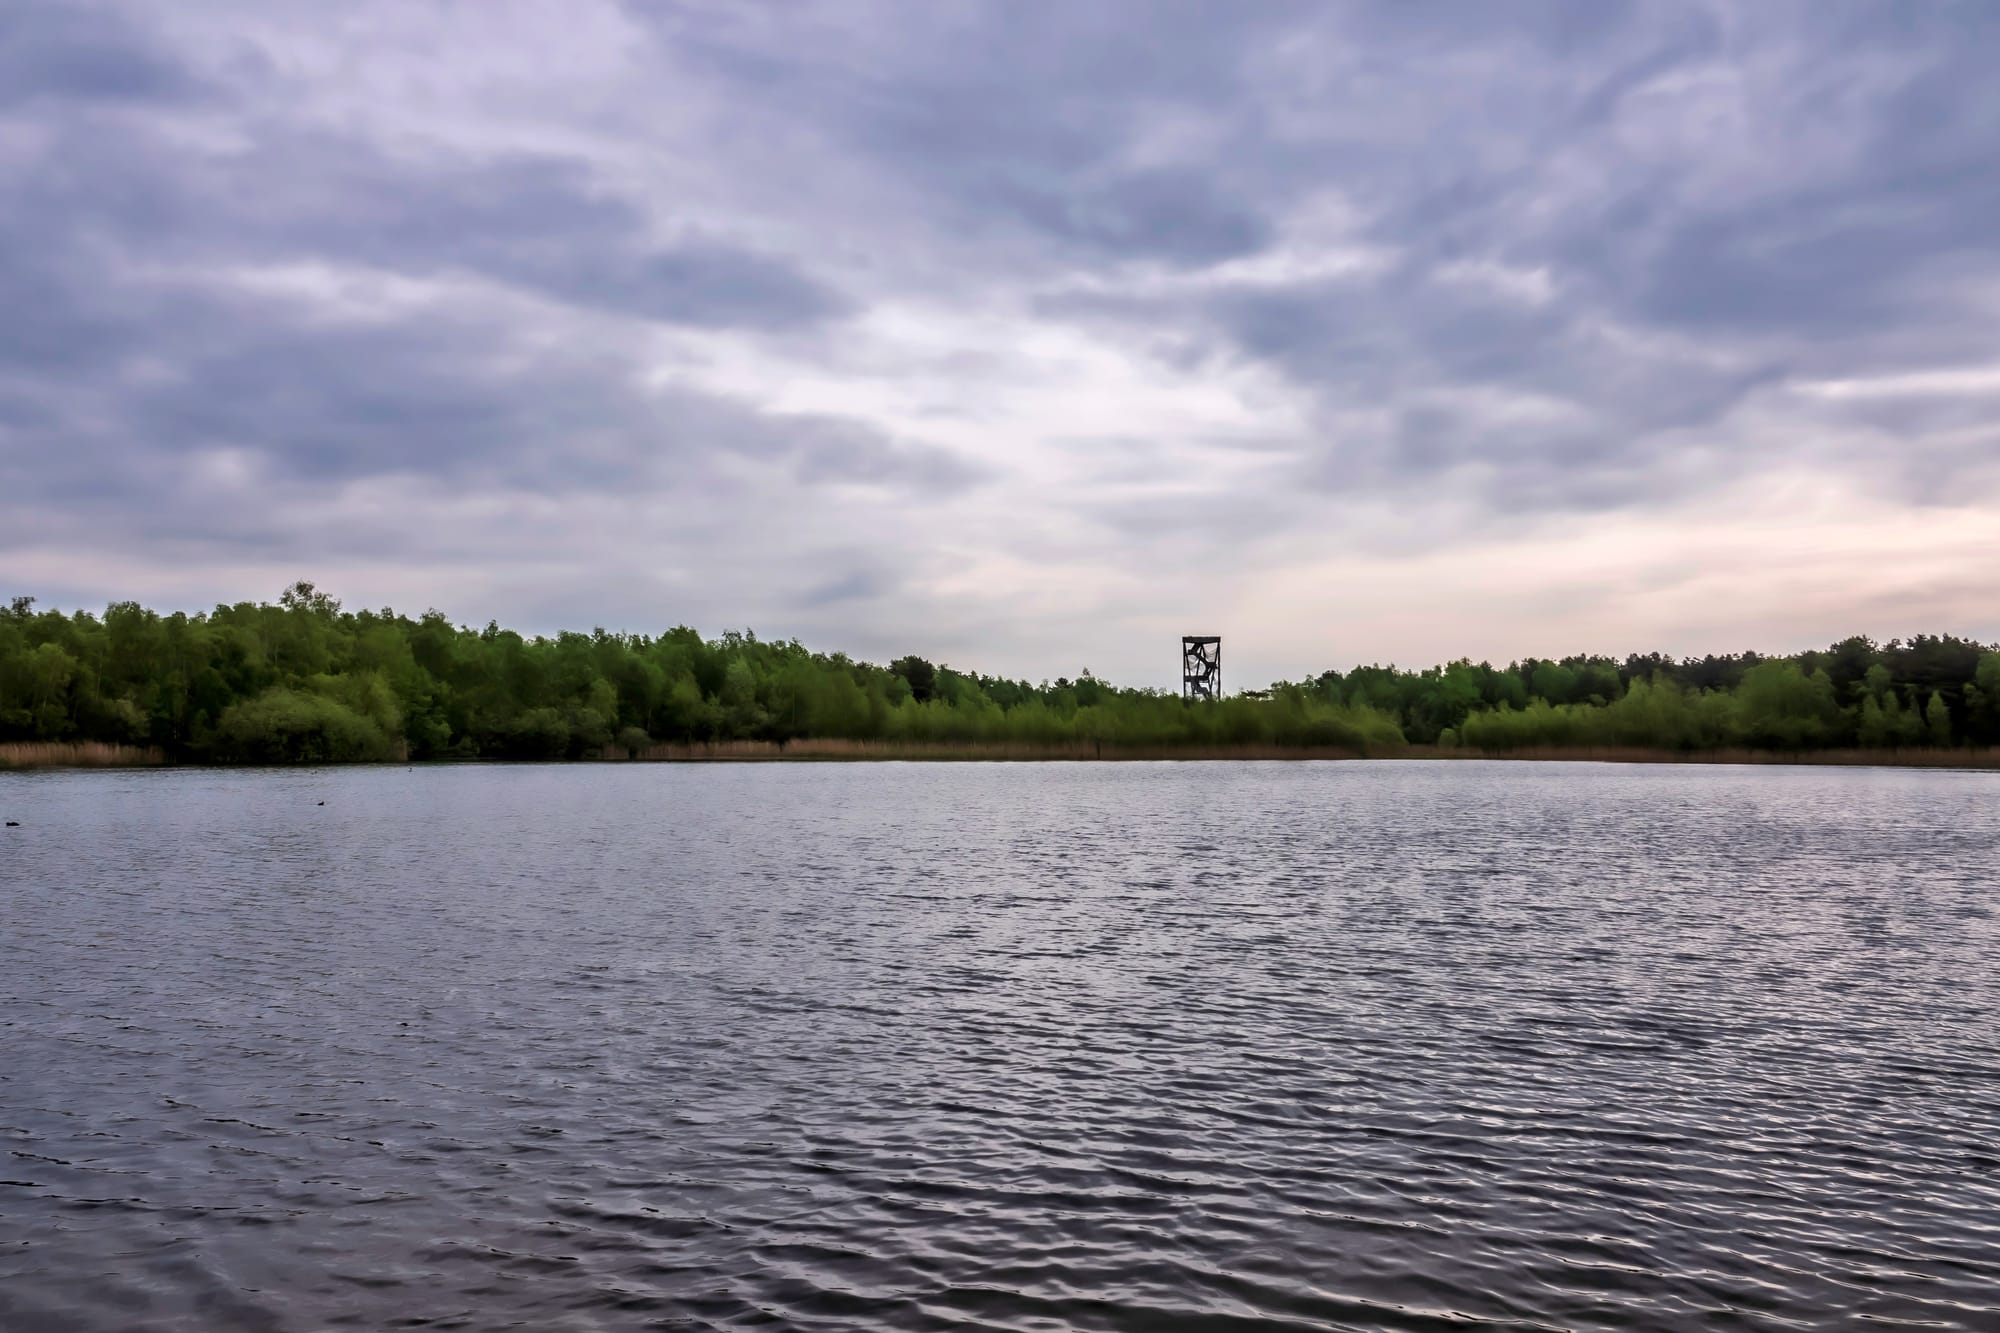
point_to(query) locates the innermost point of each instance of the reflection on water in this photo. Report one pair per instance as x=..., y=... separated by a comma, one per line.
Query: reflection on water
x=1130, y=1046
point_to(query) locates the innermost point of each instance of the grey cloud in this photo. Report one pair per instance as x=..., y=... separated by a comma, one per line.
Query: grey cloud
x=541, y=223
x=106, y=403
x=1463, y=387
x=1827, y=252
x=536, y=222
x=436, y=398
x=857, y=585
x=1201, y=528
x=54, y=322
x=447, y=398
x=75, y=51
x=1517, y=155
x=702, y=283
x=1714, y=202
x=1017, y=120
x=1025, y=121
x=1176, y=216
x=830, y=449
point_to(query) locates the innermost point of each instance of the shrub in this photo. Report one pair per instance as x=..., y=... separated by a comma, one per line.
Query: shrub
x=285, y=726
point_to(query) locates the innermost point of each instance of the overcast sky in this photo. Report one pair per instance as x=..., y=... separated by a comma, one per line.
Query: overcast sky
x=1024, y=336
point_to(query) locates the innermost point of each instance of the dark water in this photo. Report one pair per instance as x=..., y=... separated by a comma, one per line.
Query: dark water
x=1216, y=1046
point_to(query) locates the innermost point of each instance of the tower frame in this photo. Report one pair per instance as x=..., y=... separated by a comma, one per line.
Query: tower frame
x=1201, y=667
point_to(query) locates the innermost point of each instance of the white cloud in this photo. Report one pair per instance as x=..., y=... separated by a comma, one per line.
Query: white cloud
x=1967, y=381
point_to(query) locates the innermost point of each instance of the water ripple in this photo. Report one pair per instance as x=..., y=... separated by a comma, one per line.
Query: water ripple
x=1023, y=1047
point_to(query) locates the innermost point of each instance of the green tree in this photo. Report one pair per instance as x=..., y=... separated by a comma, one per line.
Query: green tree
x=1783, y=708
x=286, y=726
x=1937, y=720
x=1982, y=701
x=918, y=674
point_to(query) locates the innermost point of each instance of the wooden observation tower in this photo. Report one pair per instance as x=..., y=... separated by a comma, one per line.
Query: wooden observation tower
x=1201, y=666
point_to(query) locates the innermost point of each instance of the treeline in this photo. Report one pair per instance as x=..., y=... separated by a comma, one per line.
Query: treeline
x=307, y=681
x=1932, y=691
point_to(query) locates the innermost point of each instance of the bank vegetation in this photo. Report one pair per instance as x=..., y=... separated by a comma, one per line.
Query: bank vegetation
x=303, y=680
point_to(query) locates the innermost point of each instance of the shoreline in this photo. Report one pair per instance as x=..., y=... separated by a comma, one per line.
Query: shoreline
x=43, y=756
x=1966, y=757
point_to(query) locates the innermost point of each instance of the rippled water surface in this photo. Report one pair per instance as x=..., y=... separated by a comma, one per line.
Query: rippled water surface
x=1077, y=1046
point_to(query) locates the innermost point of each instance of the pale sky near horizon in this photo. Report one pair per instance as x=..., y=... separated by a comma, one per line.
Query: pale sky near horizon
x=1023, y=336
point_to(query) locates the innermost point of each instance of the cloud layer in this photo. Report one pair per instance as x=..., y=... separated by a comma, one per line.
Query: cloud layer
x=1024, y=336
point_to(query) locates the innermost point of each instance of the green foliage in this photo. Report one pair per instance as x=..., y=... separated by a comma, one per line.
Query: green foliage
x=307, y=681
x=1855, y=693
x=1780, y=707
x=287, y=726
x=1937, y=721
x=1885, y=724
x=918, y=674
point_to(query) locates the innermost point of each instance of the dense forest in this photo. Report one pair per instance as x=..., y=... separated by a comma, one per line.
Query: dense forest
x=306, y=681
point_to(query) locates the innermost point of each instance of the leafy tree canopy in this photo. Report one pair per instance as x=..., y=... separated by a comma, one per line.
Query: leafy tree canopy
x=306, y=680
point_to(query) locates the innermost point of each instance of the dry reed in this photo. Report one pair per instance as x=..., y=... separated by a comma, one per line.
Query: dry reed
x=76, y=754
x=1963, y=757
x=95, y=754
x=832, y=749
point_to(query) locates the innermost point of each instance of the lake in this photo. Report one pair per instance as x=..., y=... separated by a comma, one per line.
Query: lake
x=1207, y=1046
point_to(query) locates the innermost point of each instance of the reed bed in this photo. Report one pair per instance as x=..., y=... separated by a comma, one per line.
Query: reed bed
x=76, y=754
x=1987, y=757
x=96, y=754
x=1960, y=757
x=831, y=749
